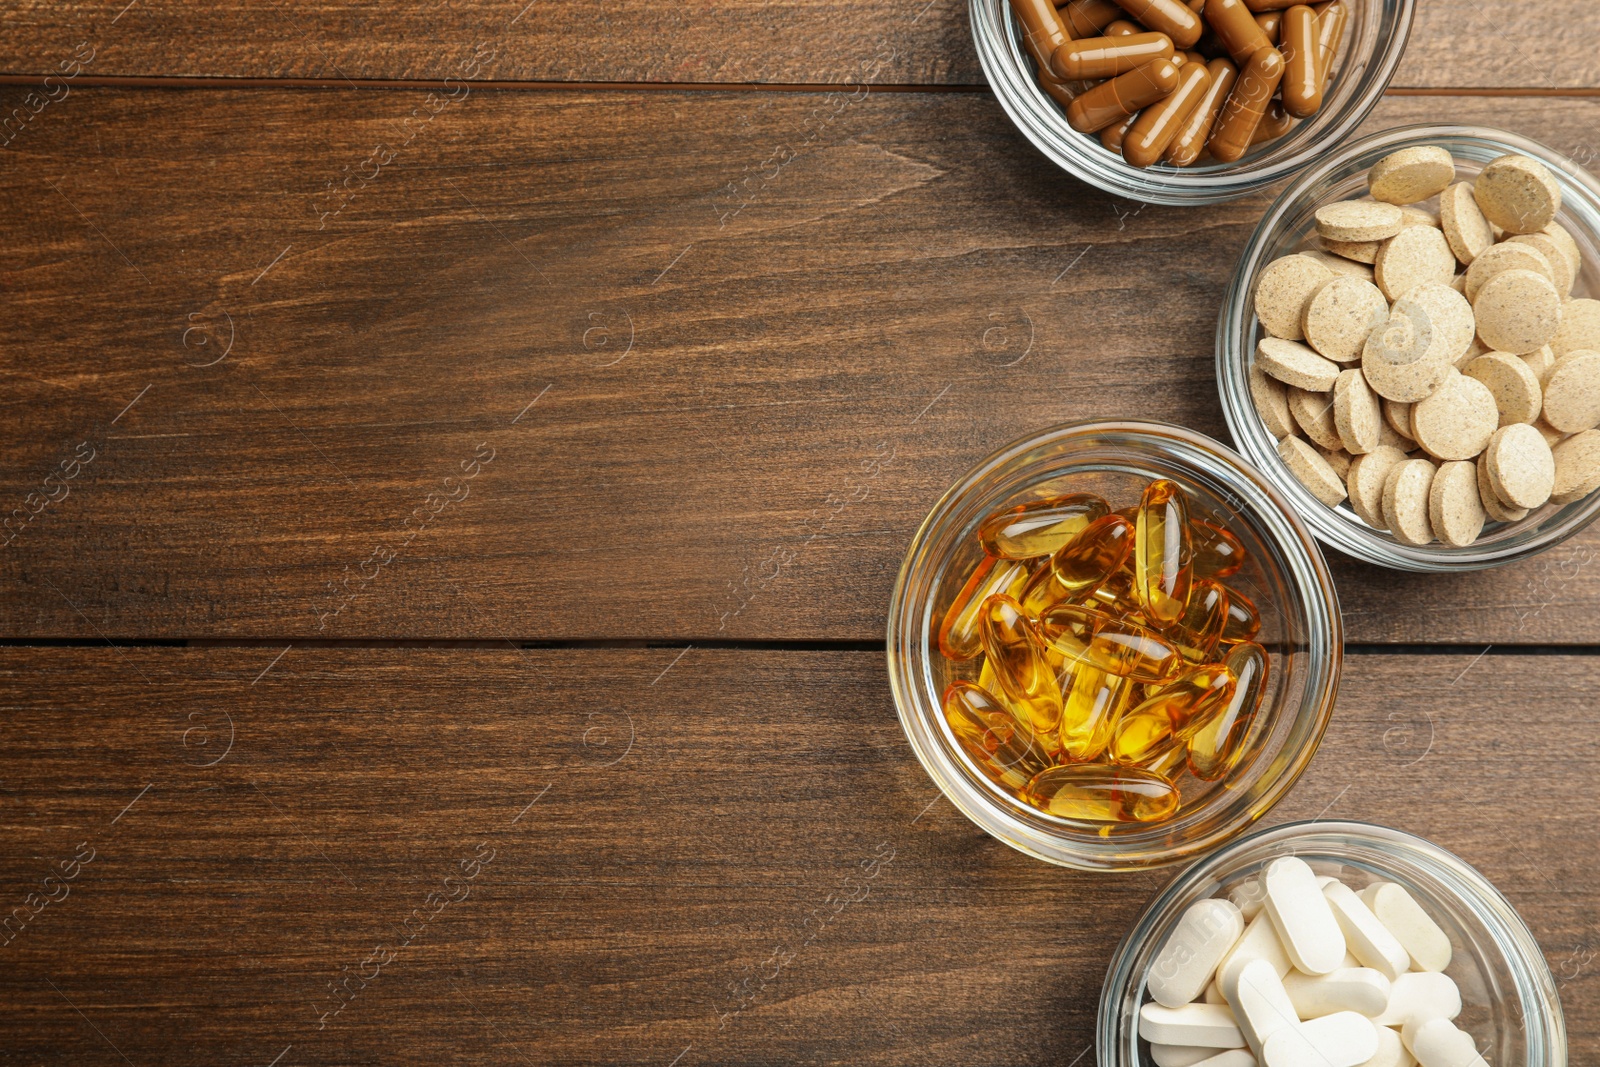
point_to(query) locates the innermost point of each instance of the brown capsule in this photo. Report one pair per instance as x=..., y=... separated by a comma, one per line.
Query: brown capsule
x=1159, y=124
x=1271, y=23
x=1042, y=29
x=1259, y=6
x=1301, y=87
x=1197, y=6
x=1191, y=140
x=1106, y=57
x=1098, y=793
x=1236, y=28
x=1330, y=28
x=1122, y=28
x=1112, y=101
x=1246, y=105
x=1089, y=18
x=1274, y=124
x=1111, y=137
x=1058, y=91
x=1171, y=17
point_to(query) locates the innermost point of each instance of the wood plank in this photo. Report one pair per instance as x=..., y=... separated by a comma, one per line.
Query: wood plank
x=743, y=400
x=1455, y=43
x=689, y=831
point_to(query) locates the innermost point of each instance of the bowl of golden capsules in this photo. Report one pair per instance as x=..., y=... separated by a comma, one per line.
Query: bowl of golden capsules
x=1188, y=101
x=1113, y=645
x=1410, y=348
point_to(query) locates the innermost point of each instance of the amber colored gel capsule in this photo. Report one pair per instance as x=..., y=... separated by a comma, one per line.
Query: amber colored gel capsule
x=1086, y=561
x=958, y=634
x=1191, y=140
x=1019, y=663
x=1089, y=18
x=1171, y=17
x=1039, y=528
x=1170, y=714
x=1106, y=57
x=1244, y=618
x=1236, y=28
x=1246, y=105
x=1092, y=702
x=1097, y=793
x=1216, y=746
x=1301, y=88
x=1217, y=552
x=1199, y=632
x=1159, y=124
x=1116, y=645
x=1162, y=552
x=1112, y=101
x=997, y=744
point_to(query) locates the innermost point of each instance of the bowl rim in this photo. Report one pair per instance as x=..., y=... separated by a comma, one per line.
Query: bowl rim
x=1307, y=572
x=1333, y=526
x=1040, y=119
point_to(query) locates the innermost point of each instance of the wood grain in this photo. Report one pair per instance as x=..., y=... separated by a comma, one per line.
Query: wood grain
x=548, y=376
x=687, y=826
x=1455, y=43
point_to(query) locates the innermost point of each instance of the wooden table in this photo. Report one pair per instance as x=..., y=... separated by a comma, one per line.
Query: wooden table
x=484, y=438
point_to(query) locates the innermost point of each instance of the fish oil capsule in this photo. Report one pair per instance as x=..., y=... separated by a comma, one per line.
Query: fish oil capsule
x=1215, y=747
x=1302, y=85
x=1162, y=552
x=1244, y=619
x=1114, y=100
x=1040, y=527
x=1143, y=731
x=1237, y=29
x=1089, y=18
x=1042, y=29
x=1084, y=562
x=1217, y=552
x=1019, y=663
x=1191, y=140
x=1246, y=105
x=1097, y=793
x=1199, y=632
x=1171, y=17
x=1106, y=57
x=1159, y=124
x=1092, y=703
x=1117, y=646
x=998, y=745
x=958, y=634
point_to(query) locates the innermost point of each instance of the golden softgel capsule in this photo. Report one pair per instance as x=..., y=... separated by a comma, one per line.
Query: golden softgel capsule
x=1039, y=528
x=1097, y=793
x=1161, y=552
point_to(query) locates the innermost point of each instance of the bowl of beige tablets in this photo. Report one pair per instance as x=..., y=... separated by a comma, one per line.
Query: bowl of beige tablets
x=1330, y=945
x=1410, y=348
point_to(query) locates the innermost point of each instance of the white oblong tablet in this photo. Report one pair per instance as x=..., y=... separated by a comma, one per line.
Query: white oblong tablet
x=1438, y=1043
x=1420, y=995
x=1210, y=1025
x=1367, y=939
x=1301, y=916
x=1214, y=995
x=1359, y=989
x=1259, y=942
x=1392, y=1052
x=1234, y=1057
x=1180, y=1055
x=1248, y=897
x=1341, y=1040
x=1414, y=928
x=1261, y=1006
x=1187, y=962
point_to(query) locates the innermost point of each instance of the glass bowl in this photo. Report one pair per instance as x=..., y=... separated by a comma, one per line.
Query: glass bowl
x=1375, y=39
x=1287, y=223
x=1508, y=996
x=1285, y=574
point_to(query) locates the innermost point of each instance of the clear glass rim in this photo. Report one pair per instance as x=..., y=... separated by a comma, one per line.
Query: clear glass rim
x=1305, y=570
x=1009, y=73
x=1235, y=342
x=1545, y=1026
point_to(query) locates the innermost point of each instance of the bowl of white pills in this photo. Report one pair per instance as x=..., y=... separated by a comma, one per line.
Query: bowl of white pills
x=1410, y=348
x=1330, y=944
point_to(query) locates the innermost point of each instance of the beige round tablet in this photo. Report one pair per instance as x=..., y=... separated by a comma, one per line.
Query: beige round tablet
x=1405, y=501
x=1515, y=386
x=1360, y=220
x=1354, y=251
x=1561, y=272
x=1415, y=255
x=1294, y=364
x=1408, y=382
x=1341, y=265
x=1503, y=257
x=1580, y=327
x=1313, y=413
x=1522, y=469
x=1271, y=398
x=1569, y=247
x=1457, y=421
x=1447, y=312
x=1311, y=470
x=1364, y=483
x=1577, y=467
x=1388, y=438
x=1551, y=435
x=1341, y=314
x=1497, y=509
x=1356, y=415
x=1517, y=311
x=1463, y=223
x=1397, y=413
x=1411, y=175
x=1339, y=460
x=1454, y=509
x=1572, y=398
x=1540, y=361
x=1416, y=216
x=1474, y=350
x=1459, y=283
x=1282, y=291
x=1518, y=194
